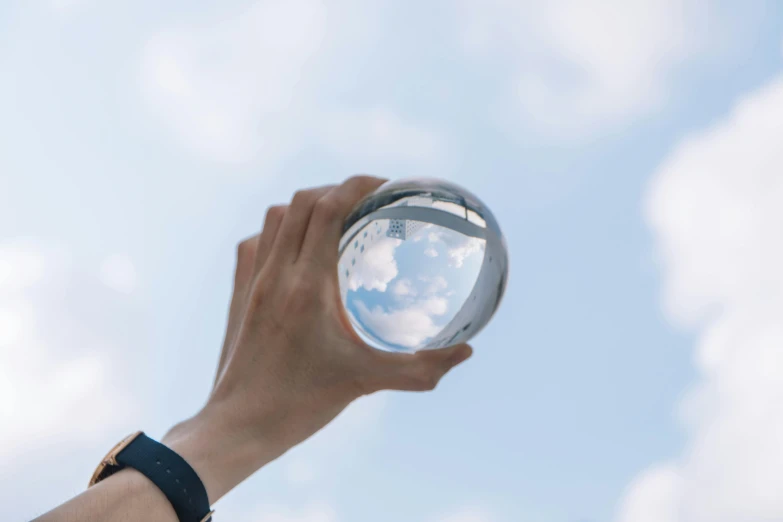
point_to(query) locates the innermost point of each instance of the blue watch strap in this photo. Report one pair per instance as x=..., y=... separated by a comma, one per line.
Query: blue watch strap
x=170, y=473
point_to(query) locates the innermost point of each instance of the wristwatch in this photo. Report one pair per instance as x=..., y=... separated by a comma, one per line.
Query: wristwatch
x=164, y=468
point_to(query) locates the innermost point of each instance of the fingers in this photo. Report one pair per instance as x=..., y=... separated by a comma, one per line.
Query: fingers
x=290, y=237
x=329, y=214
x=272, y=222
x=252, y=254
x=243, y=274
x=421, y=371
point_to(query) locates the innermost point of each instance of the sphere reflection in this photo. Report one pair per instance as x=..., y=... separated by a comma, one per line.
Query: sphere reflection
x=423, y=264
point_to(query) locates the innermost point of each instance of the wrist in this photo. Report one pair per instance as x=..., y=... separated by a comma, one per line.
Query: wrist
x=221, y=455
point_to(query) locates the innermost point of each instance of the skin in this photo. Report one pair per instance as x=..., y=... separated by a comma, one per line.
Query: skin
x=277, y=382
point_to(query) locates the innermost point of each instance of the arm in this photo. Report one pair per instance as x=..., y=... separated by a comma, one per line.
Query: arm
x=290, y=362
x=128, y=495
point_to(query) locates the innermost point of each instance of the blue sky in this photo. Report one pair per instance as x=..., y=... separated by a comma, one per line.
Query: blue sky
x=401, y=294
x=629, y=151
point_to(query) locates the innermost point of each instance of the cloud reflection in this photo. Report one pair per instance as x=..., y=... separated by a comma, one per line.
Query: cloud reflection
x=429, y=248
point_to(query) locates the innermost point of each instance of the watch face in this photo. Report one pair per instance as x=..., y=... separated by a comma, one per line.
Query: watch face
x=109, y=464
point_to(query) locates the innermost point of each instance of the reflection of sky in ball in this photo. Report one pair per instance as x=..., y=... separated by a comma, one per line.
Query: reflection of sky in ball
x=400, y=293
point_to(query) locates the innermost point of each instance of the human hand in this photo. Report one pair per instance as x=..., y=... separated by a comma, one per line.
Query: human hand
x=291, y=361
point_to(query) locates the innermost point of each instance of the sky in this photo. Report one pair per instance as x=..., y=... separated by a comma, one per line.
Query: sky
x=407, y=292
x=629, y=150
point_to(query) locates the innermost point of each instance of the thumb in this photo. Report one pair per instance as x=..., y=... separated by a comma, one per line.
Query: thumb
x=420, y=371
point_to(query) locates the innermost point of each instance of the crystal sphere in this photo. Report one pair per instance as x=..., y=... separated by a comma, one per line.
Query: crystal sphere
x=422, y=264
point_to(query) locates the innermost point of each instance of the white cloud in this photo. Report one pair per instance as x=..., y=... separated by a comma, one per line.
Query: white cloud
x=653, y=497
x=459, y=253
x=417, y=318
x=225, y=88
x=54, y=368
x=715, y=208
x=20, y=267
x=436, y=285
x=414, y=317
x=459, y=247
x=247, y=87
x=376, y=267
x=381, y=134
x=118, y=273
x=435, y=305
x=431, y=252
x=714, y=211
x=578, y=66
x=404, y=287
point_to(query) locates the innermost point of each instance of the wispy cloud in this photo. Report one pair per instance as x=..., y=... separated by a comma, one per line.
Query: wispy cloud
x=375, y=268
x=436, y=284
x=459, y=247
x=404, y=287
x=118, y=272
x=379, y=134
x=418, y=318
x=41, y=335
x=714, y=207
x=246, y=88
x=577, y=67
x=225, y=88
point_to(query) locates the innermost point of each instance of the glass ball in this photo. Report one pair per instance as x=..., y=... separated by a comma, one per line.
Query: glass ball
x=422, y=264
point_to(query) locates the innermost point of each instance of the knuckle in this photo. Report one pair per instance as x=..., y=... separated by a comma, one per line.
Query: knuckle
x=275, y=213
x=301, y=294
x=246, y=247
x=327, y=208
x=298, y=199
x=361, y=180
x=259, y=291
x=302, y=198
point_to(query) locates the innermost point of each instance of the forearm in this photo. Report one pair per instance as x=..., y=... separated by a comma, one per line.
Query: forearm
x=127, y=496
x=277, y=382
x=221, y=457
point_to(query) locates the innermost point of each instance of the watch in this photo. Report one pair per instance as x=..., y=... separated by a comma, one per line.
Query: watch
x=164, y=468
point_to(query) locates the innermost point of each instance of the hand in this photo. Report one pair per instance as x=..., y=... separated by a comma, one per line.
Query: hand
x=291, y=361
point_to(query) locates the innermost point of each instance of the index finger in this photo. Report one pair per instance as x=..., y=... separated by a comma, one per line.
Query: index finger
x=331, y=210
